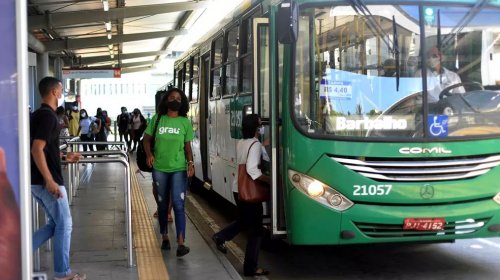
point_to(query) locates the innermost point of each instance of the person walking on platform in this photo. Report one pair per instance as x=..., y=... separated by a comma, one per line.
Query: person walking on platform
x=86, y=128
x=172, y=161
x=47, y=180
x=74, y=120
x=101, y=134
x=249, y=152
x=123, y=121
x=138, y=126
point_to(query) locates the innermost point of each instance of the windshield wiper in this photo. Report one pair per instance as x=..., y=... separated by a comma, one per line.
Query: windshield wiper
x=396, y=51
x=360, y=8
x=465, y=20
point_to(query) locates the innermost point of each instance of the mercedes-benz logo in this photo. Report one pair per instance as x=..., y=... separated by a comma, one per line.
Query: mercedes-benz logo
x=427, y=191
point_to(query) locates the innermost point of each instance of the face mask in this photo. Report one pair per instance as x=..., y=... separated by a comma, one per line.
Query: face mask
x=433, y=62
x=75, y=108
x=174, y=105
x=261, y=130
x=84, y=115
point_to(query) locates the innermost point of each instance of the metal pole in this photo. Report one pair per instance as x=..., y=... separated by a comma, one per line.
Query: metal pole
x=70, y=180
x=115, y=130
x=36, y=226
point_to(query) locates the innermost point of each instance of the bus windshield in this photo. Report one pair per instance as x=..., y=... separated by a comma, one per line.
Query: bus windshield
x=359, y=72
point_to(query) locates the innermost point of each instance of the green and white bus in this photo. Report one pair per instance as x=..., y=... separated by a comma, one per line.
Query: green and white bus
x=382, y=117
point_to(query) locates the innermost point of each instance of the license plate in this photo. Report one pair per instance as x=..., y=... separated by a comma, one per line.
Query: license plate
x=424, y=224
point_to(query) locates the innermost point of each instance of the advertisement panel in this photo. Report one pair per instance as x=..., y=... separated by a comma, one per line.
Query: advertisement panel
x=10, y=231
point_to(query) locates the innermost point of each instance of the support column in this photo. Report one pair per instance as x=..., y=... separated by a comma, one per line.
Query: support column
x=42, y=71
x=58, y=66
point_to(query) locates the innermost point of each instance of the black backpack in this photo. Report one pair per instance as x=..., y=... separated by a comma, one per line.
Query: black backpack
x=141, y=156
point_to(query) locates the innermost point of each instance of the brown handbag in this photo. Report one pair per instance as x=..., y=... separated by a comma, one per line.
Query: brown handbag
x=249, y=190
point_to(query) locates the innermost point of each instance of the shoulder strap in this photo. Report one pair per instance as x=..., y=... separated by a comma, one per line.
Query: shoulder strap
x=250, y=148
x=156, y=125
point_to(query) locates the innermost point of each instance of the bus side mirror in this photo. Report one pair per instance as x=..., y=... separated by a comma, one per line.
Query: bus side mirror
x=287, y=22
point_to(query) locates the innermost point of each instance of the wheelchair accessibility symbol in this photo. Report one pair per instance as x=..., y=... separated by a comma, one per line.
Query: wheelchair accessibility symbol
x=438, y=125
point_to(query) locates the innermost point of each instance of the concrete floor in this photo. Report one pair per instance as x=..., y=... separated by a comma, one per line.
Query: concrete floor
x=98, y=240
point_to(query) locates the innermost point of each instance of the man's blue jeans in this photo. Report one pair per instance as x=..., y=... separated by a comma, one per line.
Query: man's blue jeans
x=175, y=184
x=58, y=227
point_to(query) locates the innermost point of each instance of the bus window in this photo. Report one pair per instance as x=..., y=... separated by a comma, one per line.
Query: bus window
x=187, y=79
x=194, y=83
x=216, y=71
x=351, y=71
x=232, y=61
x=462, y=61
x=246, y=57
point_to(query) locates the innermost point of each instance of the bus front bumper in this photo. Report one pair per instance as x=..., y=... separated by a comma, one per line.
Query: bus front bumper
x=313, y=223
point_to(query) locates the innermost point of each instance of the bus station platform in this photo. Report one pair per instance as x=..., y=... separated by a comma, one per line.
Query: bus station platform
x=98, y=246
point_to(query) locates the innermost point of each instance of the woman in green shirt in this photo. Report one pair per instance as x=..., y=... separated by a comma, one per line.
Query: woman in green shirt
x=172, y=161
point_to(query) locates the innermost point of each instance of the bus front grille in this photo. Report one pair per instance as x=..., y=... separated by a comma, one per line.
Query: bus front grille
x=418, y=170
x=396, y=230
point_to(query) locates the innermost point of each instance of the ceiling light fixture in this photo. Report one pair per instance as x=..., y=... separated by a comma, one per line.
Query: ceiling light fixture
x=105, y=5
x=109, y=36
x=108, y=25
x=112, y=56
x=110, y=46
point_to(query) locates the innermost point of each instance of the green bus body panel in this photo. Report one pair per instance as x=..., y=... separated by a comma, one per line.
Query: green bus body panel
x=310, y=222
x=343, y=179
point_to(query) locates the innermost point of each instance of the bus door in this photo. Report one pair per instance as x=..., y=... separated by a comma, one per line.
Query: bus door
x=263, y=105
x=204, y=116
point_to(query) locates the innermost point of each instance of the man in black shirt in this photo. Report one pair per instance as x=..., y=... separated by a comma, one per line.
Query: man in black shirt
x=47, y=184
x=123, y=121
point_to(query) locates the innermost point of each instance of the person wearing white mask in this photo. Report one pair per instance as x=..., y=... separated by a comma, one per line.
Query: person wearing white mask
x=74, y=120
x=249, y=152
x=439, y=77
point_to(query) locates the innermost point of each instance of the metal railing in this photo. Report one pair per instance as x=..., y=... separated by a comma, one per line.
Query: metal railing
x=128, y=199
x=118, y=156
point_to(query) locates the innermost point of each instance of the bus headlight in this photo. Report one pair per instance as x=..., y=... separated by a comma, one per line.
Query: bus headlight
x=318, y=191
x=497, y=198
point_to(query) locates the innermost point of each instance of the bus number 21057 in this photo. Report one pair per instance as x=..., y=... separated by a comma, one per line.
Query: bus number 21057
x=371, y=190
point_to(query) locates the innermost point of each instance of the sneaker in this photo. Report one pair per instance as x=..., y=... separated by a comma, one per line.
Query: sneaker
x=165, y=245
x=219, y=243
x=182, y=250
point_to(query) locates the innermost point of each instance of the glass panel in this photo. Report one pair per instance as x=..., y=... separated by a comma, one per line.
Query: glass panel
x=179, y=79
x=232, y=44
x=196, y=62
x=246, y=74
x=194, y=89
x=347, y=83
x=231, y=78
x=217, y=51
x=462, y=63
x=246, y=44
x=217, y=82
x=264, y=70
x=187, y=66
x=187, y=88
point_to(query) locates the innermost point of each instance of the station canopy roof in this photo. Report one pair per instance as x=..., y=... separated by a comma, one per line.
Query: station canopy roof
x=111, y=33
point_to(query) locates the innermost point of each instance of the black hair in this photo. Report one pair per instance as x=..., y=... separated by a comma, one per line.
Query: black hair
x=163, y=108
x=60, y=110
x=84, y=111
x=47, y=84
x=249, y=125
